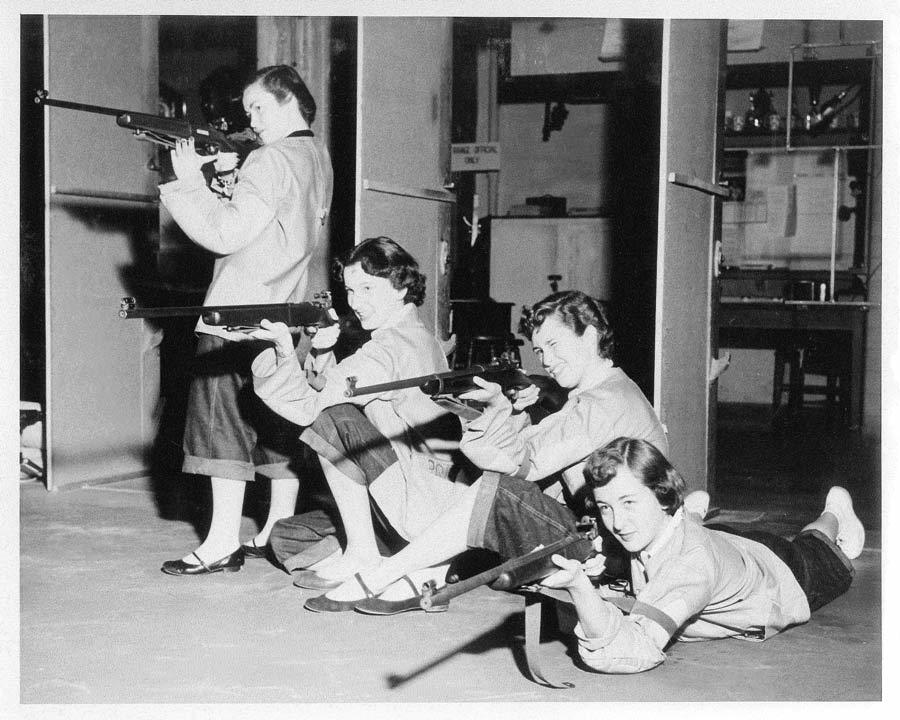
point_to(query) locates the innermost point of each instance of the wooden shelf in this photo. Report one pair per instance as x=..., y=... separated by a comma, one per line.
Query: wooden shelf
x=572, y=88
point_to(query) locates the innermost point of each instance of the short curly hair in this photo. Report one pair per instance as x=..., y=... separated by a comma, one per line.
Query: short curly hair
x=645, y=462
x=382, y=257
x=575, y=310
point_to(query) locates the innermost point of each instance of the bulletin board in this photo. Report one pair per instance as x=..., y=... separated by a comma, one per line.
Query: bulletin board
x=785, y=218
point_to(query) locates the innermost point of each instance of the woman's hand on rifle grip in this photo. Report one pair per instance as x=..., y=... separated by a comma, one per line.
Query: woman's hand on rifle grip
x=573, y=572
x=525, y=397
x=277, y=333
x=325, y=338
x=185, y=159
x=491, y=394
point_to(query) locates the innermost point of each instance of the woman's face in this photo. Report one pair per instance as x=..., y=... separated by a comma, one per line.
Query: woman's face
x=269, y=119
x=564, y=354
x=374, y=299
x=630, y=510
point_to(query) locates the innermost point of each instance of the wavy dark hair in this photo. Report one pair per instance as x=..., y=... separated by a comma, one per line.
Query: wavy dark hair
x=645, y=462
x=284, y=82
x=383, y=257
x=575, y=310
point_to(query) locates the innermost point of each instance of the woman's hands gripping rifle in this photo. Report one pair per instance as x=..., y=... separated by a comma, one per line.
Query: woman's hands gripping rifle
x=492, y=394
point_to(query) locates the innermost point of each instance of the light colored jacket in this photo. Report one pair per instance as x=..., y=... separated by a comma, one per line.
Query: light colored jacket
x=694, y=583
x=415, y=426
x=590, y=418
x=265, y=235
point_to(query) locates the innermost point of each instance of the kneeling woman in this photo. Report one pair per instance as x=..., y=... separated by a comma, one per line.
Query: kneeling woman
x=571, y=334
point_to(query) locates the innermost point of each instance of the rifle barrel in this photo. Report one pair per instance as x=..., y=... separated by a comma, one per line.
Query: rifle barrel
x=157, y=128
x=41, y=98
x=427, y=382
x=452, y=590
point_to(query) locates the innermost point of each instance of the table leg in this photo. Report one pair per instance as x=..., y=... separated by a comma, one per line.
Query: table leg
x=857, y=367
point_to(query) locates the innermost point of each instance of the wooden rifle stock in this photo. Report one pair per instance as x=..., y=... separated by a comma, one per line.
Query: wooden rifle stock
x=303, y=314
x=503, y=372
x=518, y=571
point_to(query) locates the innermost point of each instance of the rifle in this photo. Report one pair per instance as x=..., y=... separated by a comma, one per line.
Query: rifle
x=523, y=570
x=240, y=317
x=162, y=130
x=503, y=372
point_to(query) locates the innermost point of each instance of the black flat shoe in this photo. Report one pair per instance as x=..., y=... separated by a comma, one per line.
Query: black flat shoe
x=377, y=606
x=325, y=604
x=229, y=563
x=254, y=551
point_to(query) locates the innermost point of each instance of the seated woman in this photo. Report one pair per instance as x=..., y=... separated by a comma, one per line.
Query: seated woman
x=570, y=332
x=400, y=446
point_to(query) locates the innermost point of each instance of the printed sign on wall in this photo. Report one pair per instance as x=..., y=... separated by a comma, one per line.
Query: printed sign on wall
x=474, y=157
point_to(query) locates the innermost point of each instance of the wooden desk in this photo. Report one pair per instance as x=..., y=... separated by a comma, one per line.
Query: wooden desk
x=762, y=323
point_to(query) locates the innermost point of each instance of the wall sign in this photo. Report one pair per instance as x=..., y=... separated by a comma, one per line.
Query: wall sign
x=474, y=157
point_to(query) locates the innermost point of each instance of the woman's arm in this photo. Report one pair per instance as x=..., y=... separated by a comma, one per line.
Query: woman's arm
x=510, y=444
x=493, y=440
x=607, y=641
x=221, y=226
x=282, y=384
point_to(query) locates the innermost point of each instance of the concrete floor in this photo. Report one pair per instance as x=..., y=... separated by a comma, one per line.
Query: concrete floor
x=101, y=624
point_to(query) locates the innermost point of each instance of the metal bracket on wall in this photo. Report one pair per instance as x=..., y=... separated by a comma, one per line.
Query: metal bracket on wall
x=689, y=181
x=421, y=193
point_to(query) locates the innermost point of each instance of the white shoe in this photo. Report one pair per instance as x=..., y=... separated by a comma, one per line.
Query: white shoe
x=697, y=503
x=851, y=536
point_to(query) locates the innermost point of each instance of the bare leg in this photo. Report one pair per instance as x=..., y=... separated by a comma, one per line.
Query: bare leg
x=440, y=541
x=352, y=500
x=281, y=505
x=223, y=537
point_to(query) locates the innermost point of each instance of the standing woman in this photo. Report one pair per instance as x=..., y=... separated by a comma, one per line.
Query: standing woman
x=263, y=237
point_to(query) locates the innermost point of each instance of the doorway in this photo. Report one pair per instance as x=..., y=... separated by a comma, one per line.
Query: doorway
x=596, y=170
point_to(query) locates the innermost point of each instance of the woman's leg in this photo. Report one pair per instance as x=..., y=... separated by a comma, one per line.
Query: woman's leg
x=218, y=441
x=352, y=500
x=507, y=515
x=440, y=541
x=353, y=454
x=282, y=504
x=839, y=523
x=224, y=528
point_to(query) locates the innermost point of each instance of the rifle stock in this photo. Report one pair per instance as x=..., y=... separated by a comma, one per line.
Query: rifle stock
x=303, y=314
x=503, y=372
